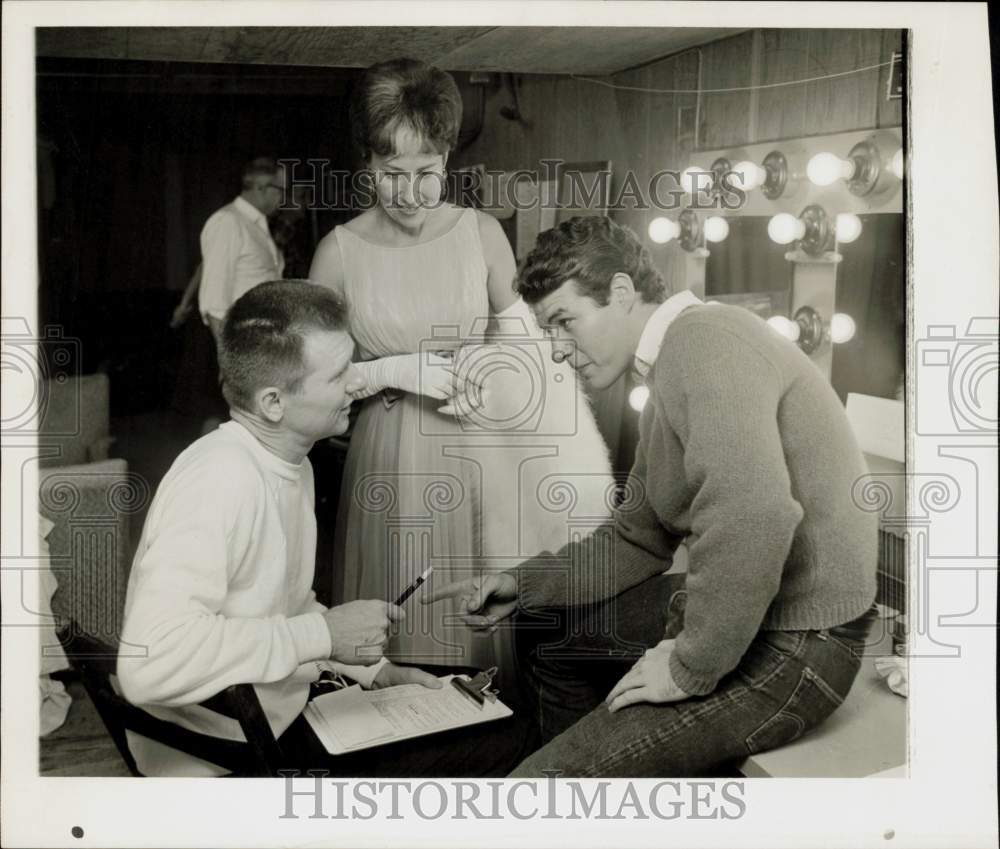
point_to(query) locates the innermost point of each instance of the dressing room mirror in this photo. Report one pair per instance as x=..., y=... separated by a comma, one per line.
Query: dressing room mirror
x=871, y=288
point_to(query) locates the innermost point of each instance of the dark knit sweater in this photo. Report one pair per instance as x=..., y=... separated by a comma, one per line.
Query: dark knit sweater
x=745, y=450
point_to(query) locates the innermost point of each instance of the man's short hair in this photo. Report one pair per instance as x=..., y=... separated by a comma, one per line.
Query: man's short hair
x=262, y=166
x=264, y=333
x=405, y=94
x=589, y=250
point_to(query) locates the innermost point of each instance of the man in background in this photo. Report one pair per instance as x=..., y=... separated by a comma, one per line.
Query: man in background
x=237, y=249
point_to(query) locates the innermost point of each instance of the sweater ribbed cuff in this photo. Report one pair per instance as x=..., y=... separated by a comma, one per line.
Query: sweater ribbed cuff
x=311, y=636
x=690, y=682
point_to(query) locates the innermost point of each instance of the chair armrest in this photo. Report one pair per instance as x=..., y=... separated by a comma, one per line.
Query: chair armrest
x=96, y=660
x=240, y=702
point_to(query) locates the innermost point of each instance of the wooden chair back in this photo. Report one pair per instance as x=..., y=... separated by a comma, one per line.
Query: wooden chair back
x=89, y=555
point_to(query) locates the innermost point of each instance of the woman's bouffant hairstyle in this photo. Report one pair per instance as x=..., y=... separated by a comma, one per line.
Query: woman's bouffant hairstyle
x=590, y=250
x=405, y=94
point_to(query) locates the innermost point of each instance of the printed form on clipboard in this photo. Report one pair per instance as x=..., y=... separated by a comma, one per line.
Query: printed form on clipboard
x=353, y=719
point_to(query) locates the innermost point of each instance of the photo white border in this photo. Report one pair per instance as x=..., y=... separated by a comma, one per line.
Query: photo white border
x=949, y=800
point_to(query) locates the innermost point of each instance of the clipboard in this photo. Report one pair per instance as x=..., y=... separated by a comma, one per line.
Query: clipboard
x=353, y=719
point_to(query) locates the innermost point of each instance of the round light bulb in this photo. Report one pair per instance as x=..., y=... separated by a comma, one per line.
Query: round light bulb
x=784, y=327
x=695, y=178
x=842, y=328
x=785, y=228
x=748, y=175
x=662, y=230
x=638, y=397
x=848, y=227
x=824, y=169
x=896, y=166
x=715, y=228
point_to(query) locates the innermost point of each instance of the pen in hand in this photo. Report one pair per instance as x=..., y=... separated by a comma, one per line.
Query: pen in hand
x=412, y=588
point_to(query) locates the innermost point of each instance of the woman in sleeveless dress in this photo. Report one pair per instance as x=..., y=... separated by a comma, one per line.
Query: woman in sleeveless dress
x=464, y=457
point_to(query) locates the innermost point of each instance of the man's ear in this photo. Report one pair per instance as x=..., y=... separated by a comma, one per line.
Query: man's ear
x=623, y=292
x=270, y=403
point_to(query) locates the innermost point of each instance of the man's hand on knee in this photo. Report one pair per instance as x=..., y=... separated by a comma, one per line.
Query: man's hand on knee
x=359, y=630
x=648, y=681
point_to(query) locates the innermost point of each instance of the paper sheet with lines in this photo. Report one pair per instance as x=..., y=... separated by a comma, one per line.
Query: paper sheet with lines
x=353, y=719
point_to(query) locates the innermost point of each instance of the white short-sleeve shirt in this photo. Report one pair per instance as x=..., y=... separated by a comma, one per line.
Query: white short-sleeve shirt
x=238, y=253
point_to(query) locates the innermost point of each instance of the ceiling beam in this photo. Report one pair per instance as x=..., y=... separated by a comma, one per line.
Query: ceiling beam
x=526, y=50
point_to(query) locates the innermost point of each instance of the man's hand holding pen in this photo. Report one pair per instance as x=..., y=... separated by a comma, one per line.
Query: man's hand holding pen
x=359, y=630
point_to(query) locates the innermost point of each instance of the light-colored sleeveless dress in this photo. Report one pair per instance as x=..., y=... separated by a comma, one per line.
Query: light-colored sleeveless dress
x=422, y=489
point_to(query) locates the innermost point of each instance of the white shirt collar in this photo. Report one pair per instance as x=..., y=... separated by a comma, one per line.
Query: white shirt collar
x=656, y=327
x=250, y=211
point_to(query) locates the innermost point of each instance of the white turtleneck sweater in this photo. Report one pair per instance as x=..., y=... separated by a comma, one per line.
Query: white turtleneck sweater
x=221, y=593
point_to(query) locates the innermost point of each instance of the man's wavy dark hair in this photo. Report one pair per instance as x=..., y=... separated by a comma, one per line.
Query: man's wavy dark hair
x=589, y=250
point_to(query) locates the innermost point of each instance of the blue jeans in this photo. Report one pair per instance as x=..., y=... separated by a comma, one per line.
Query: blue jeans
x=786, y=683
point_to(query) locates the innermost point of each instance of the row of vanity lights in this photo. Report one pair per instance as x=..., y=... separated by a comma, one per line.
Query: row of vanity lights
x=813, y=229
x=864, y=171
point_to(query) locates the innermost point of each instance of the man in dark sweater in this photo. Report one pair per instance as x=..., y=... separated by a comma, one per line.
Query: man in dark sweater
x=744, y=452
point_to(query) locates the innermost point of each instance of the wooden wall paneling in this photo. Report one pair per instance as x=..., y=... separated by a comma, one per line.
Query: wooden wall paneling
x=866, y=83
x=521, y=142
x=559, y=135
x=600, y=135
x=628, y=114
x=526, y=139
x=841, y=103
x=578, y=120
x=661, y=126
x=612, y=136
x=501, y=143
x=661, y=147
x=577, y=128
x=544, y=116
x=890, y=112
x=755, y=72
x=725, y=116
x=684, y=70
x=784, y=57
x=631, y=115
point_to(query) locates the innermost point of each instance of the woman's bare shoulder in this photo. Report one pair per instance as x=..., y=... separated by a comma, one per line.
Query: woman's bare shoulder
x=490, y=230
x=328, y=265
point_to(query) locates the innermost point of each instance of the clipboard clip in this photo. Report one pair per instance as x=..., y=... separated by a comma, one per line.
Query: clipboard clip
x=478, y=688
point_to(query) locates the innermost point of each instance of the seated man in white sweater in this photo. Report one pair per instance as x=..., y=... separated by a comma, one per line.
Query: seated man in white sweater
x=220, y=592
